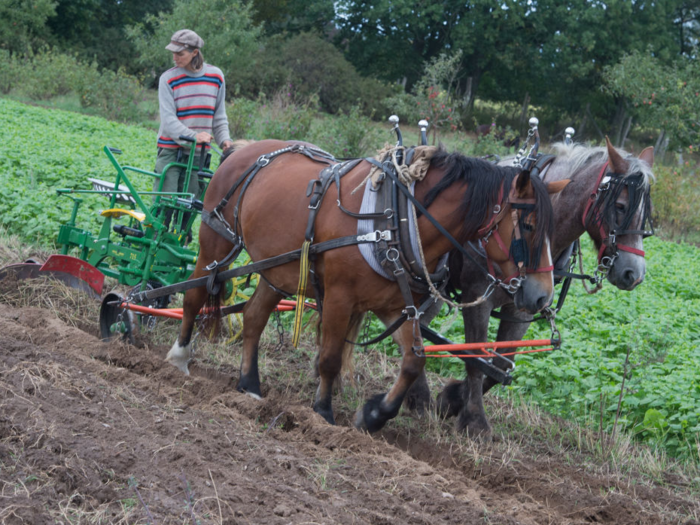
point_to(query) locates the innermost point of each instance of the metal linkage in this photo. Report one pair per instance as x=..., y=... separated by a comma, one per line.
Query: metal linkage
x=524, y=158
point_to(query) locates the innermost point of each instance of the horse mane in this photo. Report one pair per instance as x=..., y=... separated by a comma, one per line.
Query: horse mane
x=637, y=179
x=484, y=183
x=579, y=156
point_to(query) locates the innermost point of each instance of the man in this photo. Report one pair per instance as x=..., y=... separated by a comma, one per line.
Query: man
x=191, y=99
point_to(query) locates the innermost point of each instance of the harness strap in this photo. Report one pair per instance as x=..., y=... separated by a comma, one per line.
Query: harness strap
x=256, y=267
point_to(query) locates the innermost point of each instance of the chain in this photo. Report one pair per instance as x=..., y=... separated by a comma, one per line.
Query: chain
x=280, y=330
x=365, y=329
x=551, y=315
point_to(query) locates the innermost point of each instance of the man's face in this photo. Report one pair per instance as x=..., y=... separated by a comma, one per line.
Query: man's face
x=184, y=57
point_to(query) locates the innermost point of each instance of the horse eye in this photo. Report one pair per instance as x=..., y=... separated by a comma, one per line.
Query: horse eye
x=528, y=227
x=620, y=207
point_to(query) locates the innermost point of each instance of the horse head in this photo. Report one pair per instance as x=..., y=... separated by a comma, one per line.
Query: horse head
x=617, y=215
x=521, y=230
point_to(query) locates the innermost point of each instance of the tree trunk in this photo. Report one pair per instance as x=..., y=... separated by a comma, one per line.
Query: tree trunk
x=626, y=132
x=659, y=141
x=590, y=116
x=619, y=121
x=582, y=127
x=523, y=114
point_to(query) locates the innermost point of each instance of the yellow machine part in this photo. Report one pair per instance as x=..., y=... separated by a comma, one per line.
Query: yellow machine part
x=119, y=212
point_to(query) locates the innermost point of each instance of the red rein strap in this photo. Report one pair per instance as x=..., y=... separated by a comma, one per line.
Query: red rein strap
x=604, y=236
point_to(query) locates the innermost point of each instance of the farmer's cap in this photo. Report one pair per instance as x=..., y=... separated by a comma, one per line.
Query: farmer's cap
x=182, y=39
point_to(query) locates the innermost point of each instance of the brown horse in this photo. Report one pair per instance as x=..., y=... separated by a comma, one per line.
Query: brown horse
x=272, y=217
x=608, y=198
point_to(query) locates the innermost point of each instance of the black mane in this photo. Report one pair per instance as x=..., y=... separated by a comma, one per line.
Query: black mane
x=484, y=183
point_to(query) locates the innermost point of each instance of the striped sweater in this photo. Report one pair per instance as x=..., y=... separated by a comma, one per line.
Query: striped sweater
x=191, y=102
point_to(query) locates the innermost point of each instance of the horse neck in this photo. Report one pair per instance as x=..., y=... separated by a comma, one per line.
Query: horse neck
x=445, y=209
x=570, y=204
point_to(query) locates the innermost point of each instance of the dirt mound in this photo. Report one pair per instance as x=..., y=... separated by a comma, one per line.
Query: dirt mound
x=107, y=433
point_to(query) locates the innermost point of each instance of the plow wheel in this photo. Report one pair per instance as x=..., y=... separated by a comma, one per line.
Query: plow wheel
x=116, y=321
x=237, y=287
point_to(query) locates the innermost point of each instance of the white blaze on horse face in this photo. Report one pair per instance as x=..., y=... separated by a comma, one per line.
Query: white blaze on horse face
x=180, y=356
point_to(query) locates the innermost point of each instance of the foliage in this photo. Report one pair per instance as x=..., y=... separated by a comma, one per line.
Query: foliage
x=230, y=38
x=293, y=16
x=23, y=24
x=433, y=97
x=314, y=67
x=31, y=171
x=347, y=135
x=667, y=96
x=10, y=68
x=95, y=29
x=115, y=95
x=675, y=198
x=48, y=74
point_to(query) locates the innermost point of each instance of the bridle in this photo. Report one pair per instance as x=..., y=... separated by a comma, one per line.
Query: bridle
x=517, y=252
x=594, y=215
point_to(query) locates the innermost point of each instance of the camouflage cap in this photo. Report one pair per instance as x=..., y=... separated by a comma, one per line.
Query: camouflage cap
x=182, y=39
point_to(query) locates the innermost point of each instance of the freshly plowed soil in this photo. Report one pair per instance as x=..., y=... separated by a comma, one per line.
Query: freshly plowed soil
x=92, y=432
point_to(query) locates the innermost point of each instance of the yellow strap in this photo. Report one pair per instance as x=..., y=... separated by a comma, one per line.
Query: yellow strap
x=301, y=292
x=118, y=212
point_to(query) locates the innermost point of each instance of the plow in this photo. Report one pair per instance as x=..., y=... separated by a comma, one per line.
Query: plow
x=145, y=245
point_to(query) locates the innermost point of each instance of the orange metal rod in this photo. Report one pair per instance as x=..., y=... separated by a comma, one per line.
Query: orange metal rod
x=489, y=355
x=494, y=345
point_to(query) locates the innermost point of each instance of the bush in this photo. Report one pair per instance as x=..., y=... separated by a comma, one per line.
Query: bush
x=48, y=74
x=115, y=95
x=674, y=196
x=242, y=117
x=348, y=135
x=9, y=71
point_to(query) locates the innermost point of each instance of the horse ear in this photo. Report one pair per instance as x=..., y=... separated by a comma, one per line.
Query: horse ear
x=522, y=184
x=619, y=165
x=556, y=187
x=647, y=155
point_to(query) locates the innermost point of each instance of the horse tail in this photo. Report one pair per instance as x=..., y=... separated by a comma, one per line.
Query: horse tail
x=348, y=363
x=211, y=323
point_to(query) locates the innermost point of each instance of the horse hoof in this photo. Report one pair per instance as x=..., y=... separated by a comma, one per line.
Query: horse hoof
x=476, y=427
x=179, y=356
x=449, y=401
x=372, y=417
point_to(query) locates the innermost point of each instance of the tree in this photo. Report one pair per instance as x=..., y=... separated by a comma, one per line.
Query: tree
x=91, y=28
x=294, y=16
x=230, y=37
x=23, y=24
x=660, y=95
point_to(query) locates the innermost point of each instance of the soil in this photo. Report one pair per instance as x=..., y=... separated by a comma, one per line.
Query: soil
x=94, y=432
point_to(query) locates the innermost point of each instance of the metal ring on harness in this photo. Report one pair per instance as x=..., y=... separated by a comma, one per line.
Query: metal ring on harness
x=392, y=251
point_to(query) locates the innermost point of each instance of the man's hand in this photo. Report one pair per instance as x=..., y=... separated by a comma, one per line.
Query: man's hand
x=203, y=137
x=226, y=144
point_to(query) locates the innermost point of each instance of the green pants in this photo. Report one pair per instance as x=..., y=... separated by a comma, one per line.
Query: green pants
x=175, y=177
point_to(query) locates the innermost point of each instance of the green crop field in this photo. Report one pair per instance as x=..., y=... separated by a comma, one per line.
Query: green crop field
x=44, y=150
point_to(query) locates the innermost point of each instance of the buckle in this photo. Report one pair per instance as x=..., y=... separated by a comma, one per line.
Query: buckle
x=375, y=236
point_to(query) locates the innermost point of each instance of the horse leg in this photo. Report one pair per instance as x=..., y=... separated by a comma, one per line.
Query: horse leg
x=335, y=324
x=255, y=316
x=180, y=353
x=418, y=396
x=507, y=331
x=472, y=417
x=454, y=397
x=383, y=407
